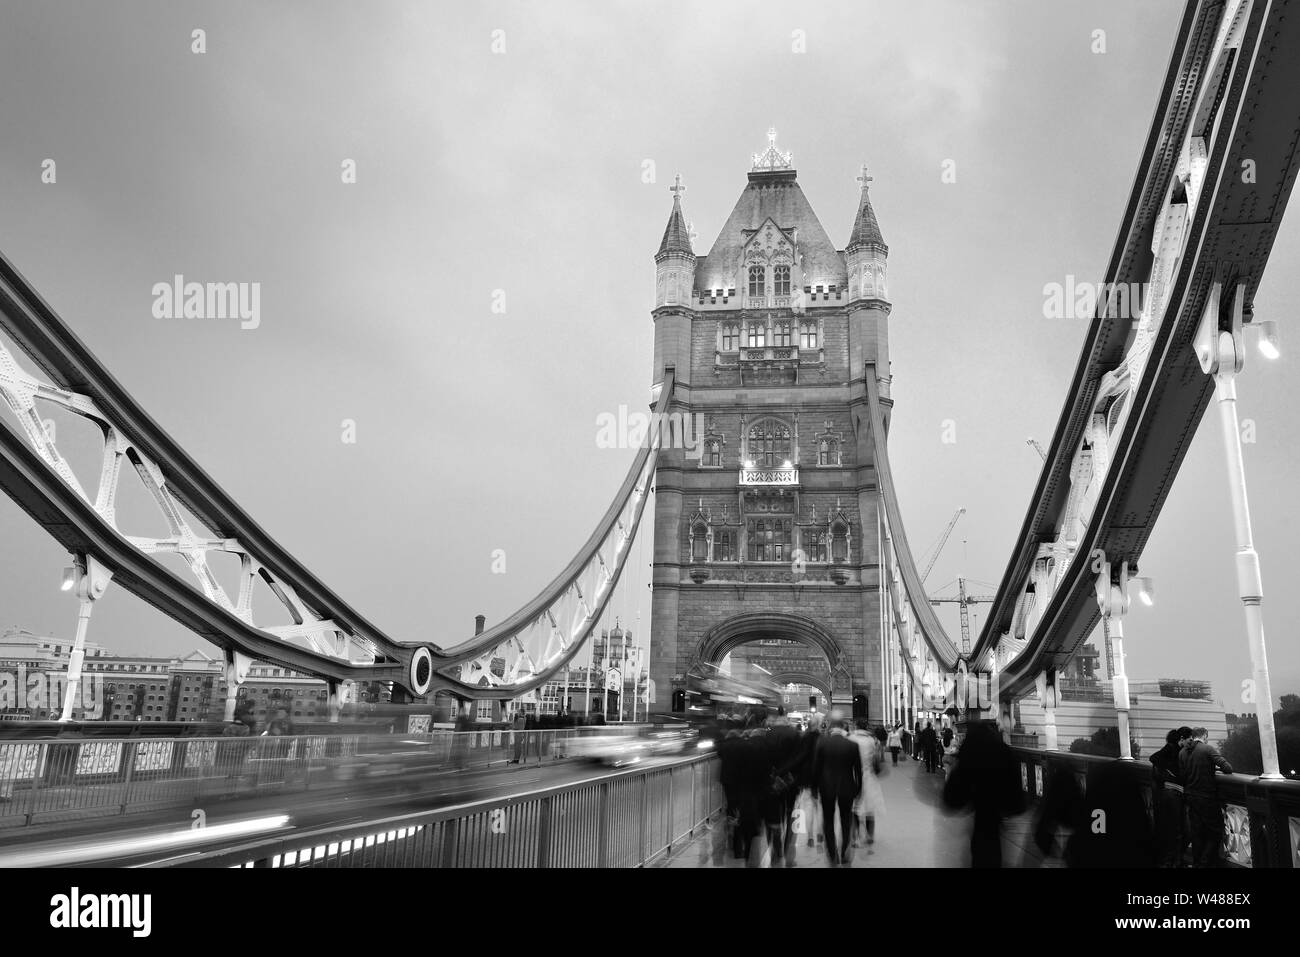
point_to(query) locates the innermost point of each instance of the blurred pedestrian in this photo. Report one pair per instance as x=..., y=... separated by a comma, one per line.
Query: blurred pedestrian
x=985, y=779
x=929, y=746
x=837, y=776
x=895, y=741
x=871, y=799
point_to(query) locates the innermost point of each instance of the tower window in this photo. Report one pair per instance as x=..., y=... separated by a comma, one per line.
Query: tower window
x=724, y=546
x=769, y=444
x=781, y=334
x=828, y=452
x=730, y=338
x=807, y=335
x=756, y=281
x=781, y=281
x=712, y=454
x=769, y=539
x=757, y=336
x=815, y=545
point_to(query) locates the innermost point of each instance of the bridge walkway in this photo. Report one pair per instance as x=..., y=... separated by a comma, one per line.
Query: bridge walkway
x=915, y=830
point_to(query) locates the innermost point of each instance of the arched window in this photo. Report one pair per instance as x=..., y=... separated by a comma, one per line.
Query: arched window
x=724, y=546
x=807, y=335
x=730, y=338
x=757, y=281
x=828, y=451
x=781, y=334
x=839, y=543
x=781, y=281
x=757, y=335
x=769, y=444
x=712, y=453
x=699, y=543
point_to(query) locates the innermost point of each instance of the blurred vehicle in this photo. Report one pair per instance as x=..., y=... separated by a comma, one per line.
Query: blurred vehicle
x=614, y=750
x=672, y=739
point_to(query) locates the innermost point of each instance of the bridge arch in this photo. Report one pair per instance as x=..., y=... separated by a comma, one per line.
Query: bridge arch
x=740, y=630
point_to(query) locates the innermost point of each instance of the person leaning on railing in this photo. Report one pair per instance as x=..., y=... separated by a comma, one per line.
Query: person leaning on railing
x=1167, y=788
x=1198, y=762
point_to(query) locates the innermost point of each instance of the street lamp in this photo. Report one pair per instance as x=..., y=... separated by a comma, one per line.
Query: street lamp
x=1146, y=591
x=1219, y=346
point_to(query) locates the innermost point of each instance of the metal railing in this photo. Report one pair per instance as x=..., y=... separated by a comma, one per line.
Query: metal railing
x=50, y=781
x=1261, y=819
x=624, y=819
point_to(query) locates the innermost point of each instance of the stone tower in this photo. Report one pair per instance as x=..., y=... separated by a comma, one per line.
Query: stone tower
x=767, y=525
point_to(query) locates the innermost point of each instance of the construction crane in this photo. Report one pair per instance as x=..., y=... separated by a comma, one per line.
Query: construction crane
x=1037, y=448
x=938, y=547
x=964, y=600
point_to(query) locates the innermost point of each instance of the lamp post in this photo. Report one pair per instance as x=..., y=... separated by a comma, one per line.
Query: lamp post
x=1220, y=348
x=89, y=579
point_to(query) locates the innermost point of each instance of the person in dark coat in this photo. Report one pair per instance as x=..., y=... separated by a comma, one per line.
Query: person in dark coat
x=1112, y=828
x=929, y=745
x=782, y=749
x=1167, y=794
x=1198, y=762
x=800, y=767
x=986, y=780
x=731, y=777
x=837, y=777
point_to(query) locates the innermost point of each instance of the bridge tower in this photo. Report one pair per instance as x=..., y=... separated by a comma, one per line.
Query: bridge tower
x=767, y=518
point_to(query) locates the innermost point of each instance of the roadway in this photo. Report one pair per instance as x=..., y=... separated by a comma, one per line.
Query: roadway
x=142, y=838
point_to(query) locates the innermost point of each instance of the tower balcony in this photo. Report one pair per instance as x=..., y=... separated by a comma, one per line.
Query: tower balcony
x=769, y=354
x=784, y=477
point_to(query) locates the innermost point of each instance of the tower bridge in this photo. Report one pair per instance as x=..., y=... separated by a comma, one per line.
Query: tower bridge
x=782, y=521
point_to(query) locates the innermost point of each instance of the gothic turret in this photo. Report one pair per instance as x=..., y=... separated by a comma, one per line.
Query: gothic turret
x=866, y=255
x=674, y=284
x=865, y=259
x=675, y=261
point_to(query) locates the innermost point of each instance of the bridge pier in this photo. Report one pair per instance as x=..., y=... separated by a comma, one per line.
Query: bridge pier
x=237, y=665
x=1113, y=601
x=1047, y=695
x=335, y=702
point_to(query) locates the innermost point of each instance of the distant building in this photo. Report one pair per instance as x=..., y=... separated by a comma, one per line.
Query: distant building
x=141, y=688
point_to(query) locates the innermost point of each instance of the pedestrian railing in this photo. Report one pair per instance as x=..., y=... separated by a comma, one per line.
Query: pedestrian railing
x=45, y=782
x=1261, y=819
x=624, y=819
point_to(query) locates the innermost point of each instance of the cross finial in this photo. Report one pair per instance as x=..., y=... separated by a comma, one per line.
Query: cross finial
x=863, y=178
x=677, y=188
x=771, y=136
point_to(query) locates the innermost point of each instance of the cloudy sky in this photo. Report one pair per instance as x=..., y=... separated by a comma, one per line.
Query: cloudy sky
x=514, y=161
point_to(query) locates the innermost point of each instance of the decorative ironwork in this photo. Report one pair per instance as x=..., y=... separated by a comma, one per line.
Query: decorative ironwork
x=771, y=159
x=769, y=476
x=1236, y=835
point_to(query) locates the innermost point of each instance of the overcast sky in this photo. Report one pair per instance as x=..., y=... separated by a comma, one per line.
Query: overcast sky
x=522, y=170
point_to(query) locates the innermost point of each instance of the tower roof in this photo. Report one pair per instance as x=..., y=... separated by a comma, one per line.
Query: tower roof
x=865, y=228
x=772, y=193
x=677, y=235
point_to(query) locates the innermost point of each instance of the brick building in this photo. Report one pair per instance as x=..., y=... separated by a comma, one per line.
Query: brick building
x=767, y=524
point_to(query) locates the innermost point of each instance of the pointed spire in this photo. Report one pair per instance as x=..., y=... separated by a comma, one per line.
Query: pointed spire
x=866, y=230
x=677, y=237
